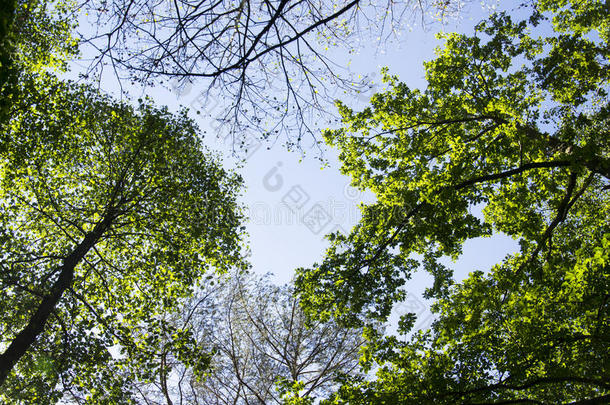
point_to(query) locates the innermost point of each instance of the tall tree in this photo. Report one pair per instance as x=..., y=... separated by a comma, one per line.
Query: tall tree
x=264, y=353
x=266, y=62
x=110, y=214
x=516, y=122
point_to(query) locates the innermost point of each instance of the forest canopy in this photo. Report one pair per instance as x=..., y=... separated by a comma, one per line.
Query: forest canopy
x=122, y=264
x=517, y=123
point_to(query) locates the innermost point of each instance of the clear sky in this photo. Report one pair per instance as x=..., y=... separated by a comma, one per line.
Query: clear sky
x=292, y=202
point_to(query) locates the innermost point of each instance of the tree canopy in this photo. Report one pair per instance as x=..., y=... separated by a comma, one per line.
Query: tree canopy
x=111, y=214
x=514, y=120
x=114, y=220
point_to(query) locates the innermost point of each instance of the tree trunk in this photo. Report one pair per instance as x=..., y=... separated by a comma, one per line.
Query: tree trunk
x=24, y=339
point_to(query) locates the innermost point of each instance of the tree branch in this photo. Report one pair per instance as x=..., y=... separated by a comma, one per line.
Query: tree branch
x=512, y=172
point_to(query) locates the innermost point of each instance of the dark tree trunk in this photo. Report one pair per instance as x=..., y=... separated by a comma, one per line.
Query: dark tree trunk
x=24, y=339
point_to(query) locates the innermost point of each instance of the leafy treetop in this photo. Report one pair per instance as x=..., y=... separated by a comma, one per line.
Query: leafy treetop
x=517, y=123
x=111, y=214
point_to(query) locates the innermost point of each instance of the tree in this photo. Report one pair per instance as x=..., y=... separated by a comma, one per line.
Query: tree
x=111, y=215
x=264, y=61
x=263, y=351
x=516, y=123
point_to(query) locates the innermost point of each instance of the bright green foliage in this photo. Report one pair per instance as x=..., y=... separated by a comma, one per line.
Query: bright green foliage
x=35, y=35
x=42, y=33
x=517, y=123
x=133, y=191
x=289, y=391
